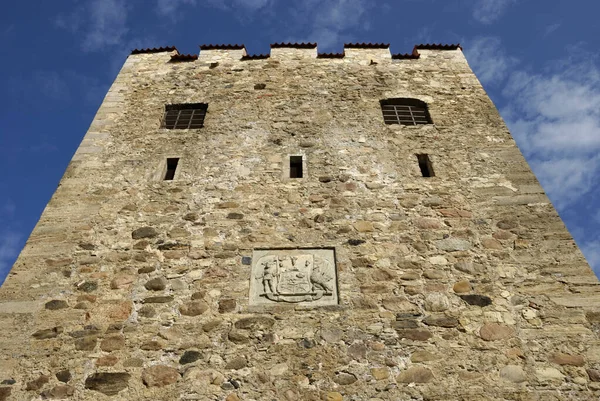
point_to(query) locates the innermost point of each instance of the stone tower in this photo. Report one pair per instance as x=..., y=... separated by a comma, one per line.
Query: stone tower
x=299, y=226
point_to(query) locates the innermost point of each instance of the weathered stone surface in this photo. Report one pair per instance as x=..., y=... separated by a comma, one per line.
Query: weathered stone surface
x=63, y=376
x=364, y=226
x=441, y=321
x=567, y=359
x=344, y=378
x=158, y=300
x=60, y=392
x=239, y=362
x=415, y=374
x=227, y=305
x=477, y=300
x=491, y=243
x=495, y=331
x=513, y=373
x=86, y=343
x=56, y=304
x=144, y=232
x=415, y=335
x=189, y=357
x=108, y=383
x=112, y=343
x=5, y=393
x=37, y=384
x=380, y=373
x=108, y=360
x=156, y=284
x=462, y=287
x=453, y=244
x=334, y=396
x=159, y=376
x=548, y=374
x=436, y=302
x=255, y=323
x=122, y=281
x=593, y=374
x=423, y=356
x=193, y=308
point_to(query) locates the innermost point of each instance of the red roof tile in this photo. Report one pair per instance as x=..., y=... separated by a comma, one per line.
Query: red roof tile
x=184, y=57
x=154, y=50
x=440, y=46
x=255, y=56
x=296, y=45
x=367, y=45
x=222, y=47
x=330, y=55
x=407, y=56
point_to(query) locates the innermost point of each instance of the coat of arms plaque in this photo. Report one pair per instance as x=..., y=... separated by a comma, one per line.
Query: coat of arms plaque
x=306, y=276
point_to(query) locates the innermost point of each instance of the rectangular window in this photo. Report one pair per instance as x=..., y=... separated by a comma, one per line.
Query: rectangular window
x=171, y=167
x=295, y=166
x=425, y=165
x=184, y=116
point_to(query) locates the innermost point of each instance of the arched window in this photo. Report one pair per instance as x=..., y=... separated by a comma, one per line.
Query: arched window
x=405, y=111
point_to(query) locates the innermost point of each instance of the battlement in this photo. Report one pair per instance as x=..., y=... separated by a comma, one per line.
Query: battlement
x=280, y=51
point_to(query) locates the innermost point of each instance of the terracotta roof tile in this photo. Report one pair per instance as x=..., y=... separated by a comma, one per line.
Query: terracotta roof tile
x=222, y=47
x=154, y=50
x=434, y=46
x=255, y=56
x=296, y=45
x=184, y=57
x=367, y=45
x=330, y=55
x=407, y=56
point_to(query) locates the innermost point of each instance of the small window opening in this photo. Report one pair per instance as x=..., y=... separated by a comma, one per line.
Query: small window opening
x=171, y=167
x=295, y=166
x=425, y=165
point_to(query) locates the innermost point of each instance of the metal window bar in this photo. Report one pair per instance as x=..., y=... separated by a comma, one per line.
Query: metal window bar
x=184, y=118
x=404, y=114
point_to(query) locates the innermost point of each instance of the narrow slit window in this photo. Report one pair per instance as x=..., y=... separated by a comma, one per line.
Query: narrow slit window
x=295, y=166
x=425, y=165
x=171, y=167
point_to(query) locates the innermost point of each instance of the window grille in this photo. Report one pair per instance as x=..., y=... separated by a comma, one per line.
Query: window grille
x=184, y=116
x=405, y=111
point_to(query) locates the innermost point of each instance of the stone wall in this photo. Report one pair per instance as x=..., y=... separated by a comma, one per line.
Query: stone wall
x=462, y=286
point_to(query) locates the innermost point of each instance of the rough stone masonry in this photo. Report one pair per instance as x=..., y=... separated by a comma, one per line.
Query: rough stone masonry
x=360, y=280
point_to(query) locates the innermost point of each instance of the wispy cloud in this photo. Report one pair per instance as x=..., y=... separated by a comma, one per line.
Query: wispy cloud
x=169, y=8
x=557, y=126
x=488, y=11
x=172, y=8
x=551, y=28
x=100, y=23
x=107, y=24
x=489, y=60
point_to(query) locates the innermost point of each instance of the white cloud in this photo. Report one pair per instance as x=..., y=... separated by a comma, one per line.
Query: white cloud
x=488, y=11
x=555, y=118
x=488, y=60
x=330, y=22
x=107, y=24
x=99, y=23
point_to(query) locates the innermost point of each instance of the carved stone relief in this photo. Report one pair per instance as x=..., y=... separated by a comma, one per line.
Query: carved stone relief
x=306, y=276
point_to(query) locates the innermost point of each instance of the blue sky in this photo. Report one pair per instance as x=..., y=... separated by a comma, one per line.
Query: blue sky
x=539, y=62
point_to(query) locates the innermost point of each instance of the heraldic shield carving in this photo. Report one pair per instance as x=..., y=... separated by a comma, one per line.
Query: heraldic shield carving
x=295, y=276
